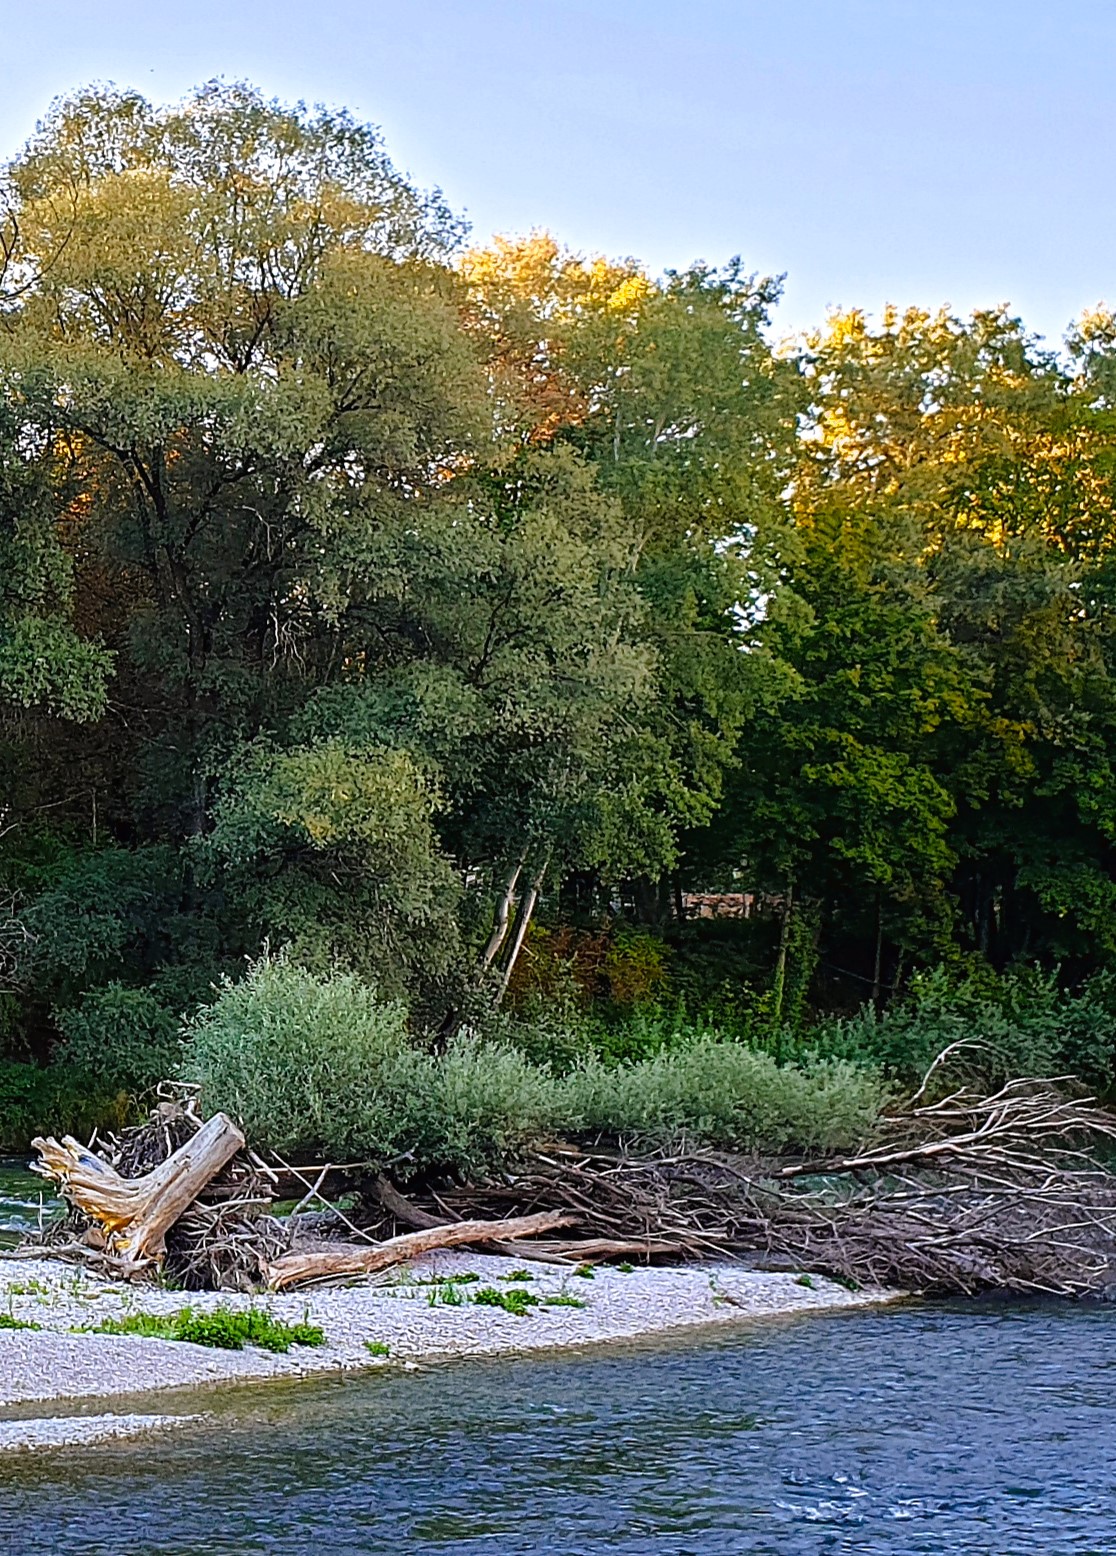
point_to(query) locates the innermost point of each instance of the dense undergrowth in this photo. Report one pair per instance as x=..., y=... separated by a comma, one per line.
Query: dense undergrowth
x=318, y=1063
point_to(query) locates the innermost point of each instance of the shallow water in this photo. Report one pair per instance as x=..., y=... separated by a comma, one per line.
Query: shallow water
x=20, y=1195
x=951, y=1429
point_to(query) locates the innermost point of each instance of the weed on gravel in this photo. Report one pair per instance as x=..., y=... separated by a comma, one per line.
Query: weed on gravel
x=223, y=1329
x=516, y=1301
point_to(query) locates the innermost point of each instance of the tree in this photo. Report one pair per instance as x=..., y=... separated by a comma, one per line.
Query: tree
x=333, y=585
x=671, y=390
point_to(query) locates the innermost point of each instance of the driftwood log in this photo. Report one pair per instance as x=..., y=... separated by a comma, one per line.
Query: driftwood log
x=304, y=1268
x=130, y=1217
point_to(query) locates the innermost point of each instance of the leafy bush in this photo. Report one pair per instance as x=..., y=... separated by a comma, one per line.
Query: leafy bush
x=319, y=1064
x=616, y=965
x=1019, y=1024
x=121, y=1036
x=486, y=1103
x=308, y=1063
x=723, y=1094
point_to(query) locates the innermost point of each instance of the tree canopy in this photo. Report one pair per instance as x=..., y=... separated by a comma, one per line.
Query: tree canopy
x=366, y=593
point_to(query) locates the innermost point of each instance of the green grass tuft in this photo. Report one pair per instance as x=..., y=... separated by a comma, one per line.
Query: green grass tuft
x=223, y=1329
x=517, y=1301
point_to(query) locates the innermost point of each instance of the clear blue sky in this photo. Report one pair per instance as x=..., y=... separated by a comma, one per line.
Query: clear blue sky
x=908, y=150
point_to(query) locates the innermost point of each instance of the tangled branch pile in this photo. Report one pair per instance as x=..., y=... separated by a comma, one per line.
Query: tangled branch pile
x=961, y=1194
x=201, y=1212
x=965, y=1194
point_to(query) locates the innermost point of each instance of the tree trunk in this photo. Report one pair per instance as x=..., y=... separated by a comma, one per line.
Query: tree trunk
x=523, y=923
x=300, y=1269
x=503, y=918
x=133, y=1215
x=878, y=963
x=781, y=960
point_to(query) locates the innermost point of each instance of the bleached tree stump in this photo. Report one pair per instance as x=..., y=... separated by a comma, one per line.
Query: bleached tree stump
x=135, y=1214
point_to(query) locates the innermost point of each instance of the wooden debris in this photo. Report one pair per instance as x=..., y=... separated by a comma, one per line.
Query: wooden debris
x=130, y=1217
x=307, y=1268
x=962, y=1193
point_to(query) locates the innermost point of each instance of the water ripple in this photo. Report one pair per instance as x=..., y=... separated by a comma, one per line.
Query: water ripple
x=926, y=1431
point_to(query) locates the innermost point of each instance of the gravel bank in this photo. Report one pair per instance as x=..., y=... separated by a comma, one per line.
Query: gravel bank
x=405, y=1311
x=74, y=1431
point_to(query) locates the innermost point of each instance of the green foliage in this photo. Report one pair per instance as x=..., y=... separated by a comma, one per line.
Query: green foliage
x=517, y=1302
x=307, y=1063
x=722, y=1094
x=319, y=1065
x=8, y=1321
x=120, y=1036
x=222, y=1328
x=380, y=594
x=1020, y=1024
x=57, y=1100
x=377, y=1347
x=444, y=1294
x=291, y=826
x=44, y=663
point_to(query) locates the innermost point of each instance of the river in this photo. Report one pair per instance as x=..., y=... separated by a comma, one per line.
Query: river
x=22, y=1195
x=928, y=1429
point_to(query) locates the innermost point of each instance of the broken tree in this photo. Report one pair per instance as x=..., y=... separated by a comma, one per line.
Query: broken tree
x=127, y=1220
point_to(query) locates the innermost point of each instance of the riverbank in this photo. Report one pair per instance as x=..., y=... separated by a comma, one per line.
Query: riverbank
x=425, y=1312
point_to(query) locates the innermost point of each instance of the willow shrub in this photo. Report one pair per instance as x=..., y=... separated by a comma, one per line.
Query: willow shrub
x=307, y=1063
x=717, y=1092
x=322, y=1066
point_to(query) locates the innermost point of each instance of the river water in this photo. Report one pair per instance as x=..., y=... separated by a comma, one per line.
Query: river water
x=22, y=1195
x=923, y=1429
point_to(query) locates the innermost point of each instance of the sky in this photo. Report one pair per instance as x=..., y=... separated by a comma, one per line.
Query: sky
x=914, y=151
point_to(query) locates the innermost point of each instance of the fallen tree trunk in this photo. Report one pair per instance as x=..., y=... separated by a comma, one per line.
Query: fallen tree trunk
x=130, y=1217
x=553, y=1251
x=306, y=1267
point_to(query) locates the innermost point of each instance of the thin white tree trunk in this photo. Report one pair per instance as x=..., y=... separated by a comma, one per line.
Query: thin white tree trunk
x=503, y=919
x=522, y=925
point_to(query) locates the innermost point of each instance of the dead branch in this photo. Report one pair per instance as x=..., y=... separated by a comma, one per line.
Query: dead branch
x=302, y=1269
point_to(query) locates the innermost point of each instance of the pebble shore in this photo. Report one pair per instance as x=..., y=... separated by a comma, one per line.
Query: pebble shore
x=404, y=1310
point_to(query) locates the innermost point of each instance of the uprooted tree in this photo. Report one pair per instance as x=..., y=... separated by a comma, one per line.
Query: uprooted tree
x=218, y=1209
